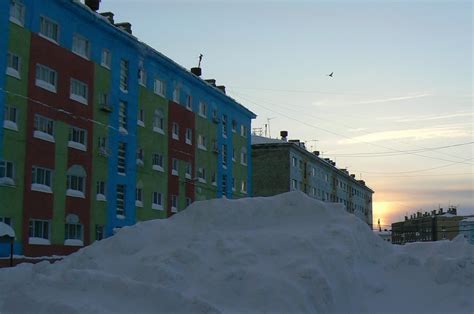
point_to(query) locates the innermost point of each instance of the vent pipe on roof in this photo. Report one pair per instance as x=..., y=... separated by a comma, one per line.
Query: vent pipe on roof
x=316, y=152
x=93, y=4
x=126, y=26
x=211, y=81
x=284, y=135
x=196, y=71
x=221, y=88
x=109, y=16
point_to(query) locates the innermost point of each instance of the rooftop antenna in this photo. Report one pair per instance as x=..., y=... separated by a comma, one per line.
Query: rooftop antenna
x=200, y=59
x=268, y=122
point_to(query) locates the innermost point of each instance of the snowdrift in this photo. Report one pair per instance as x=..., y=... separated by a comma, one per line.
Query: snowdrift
x=282, y=254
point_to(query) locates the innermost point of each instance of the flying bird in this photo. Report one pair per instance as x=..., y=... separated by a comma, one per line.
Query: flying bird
x=332, y=73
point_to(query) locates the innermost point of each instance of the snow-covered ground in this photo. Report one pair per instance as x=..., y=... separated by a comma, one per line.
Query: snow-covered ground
x=282, y=254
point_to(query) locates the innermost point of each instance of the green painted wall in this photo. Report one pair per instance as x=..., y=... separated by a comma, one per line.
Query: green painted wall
x=206, y=159
x=152, y=142
x=61, y=134
x=99, y=162
x=239, y=171
x=12, y=197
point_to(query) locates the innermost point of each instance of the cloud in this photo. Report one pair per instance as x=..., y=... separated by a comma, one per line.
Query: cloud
x=436, y=117
x=374, y=101
x=415, y=134
x=358, y=130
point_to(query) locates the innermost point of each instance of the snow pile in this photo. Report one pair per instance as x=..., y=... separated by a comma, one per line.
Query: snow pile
x=285, y=254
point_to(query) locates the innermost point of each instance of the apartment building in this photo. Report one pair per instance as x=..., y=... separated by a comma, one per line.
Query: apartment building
x=280, y=166
x=100, y=130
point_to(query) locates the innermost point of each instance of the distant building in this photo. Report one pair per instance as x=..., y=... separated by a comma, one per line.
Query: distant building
x=280, y=166
x=466, y=228
x=385, y=234
x=422, y=227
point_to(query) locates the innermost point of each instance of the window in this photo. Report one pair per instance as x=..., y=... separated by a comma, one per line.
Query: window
x=99, y=232
x=78, y=91
x=141, y=117
x=123, y=117
x=234, y=126
x=174, y=203
x=294, y=184
x=215, y=149
x=6, y=220
x=243, y=186
x=121, y=164
x=233, y=184
x=214, y=115
x=243, y=130
x=140, y=156
x=76, y=179
x=202, y=142
x=81, y=46
x=73, y=232
x=46, y=78
x=189, y=201
x=213, y=179
x=201, y=175
x=175, y=134
x=43, y=128
x=10, y=117
x=41, y=180
x=77, y=138
x=13, y=65
x=175, y=167
x=106, y=59
x=49, y=29
x=202, y=110
x=176, y=93
x=224, y=155
x=159, y=87
x=313, y=171
x=120, y=201
x=102, y=146
x=233, y=154
x=294, y=162
x=157, y=201
x=39, y=232
x=189, y=104
x=224, y=125
x=139, y=195
x=7, y=173
x=243, y=156
x=101, y=194
x=224, y=184
x=17, y=12
x=142, y=76
x=189, y=137
x=188, y=171
x=124, y=76
x=158, y=122
x=158, y=162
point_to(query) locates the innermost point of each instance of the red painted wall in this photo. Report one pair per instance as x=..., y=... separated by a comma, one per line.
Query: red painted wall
x=180, y=150
x=42, y=153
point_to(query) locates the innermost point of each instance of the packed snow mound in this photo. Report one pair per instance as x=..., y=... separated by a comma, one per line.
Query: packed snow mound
x=283, y=254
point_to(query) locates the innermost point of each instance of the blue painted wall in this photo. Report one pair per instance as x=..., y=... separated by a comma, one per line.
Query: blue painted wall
x=4, y=22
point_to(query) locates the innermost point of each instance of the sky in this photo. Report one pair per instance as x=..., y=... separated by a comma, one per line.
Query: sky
x=398, y=111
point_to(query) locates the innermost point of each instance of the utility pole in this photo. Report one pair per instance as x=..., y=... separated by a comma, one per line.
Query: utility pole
x=268, y=123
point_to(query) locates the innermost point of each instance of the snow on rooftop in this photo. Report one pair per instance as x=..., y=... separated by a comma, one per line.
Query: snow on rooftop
x=470, y=219
x=283, y=254
x=6, y=230
x=265, y=140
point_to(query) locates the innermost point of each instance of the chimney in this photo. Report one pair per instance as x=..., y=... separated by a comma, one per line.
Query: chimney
x=196, y=71
x=440, y=212
x=221, y=88
x=109, y=16
x=316, y=152
x=125, y=26
x=284, y=135
x=93, y=4
x=353, y=176
x=211, y=81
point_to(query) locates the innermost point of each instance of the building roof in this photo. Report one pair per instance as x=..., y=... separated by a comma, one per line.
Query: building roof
x=264, y=142
x=153, y=52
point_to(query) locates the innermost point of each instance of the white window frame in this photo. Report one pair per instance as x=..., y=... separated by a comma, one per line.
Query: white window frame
x=123, y=116
x=121, y=192
x=122, y=158
x=158, y=121
x=7, y=173
x=39, y=238
x=243, y=157
x=224, y=156
x=189, y=136
x=202, y=109
x=174, y=203
x=124, y=75
x=17, y=12
x=140, y=156
x=101, y=191
x=188, y=173
x=79, y=91
x=175, y=167
x=243, y=187
x=234, y=126
x=11, y=69
x=78, y=49
x=176, y=94
x=141, y=117
x=202, y=142
x=139, y=195
x=175, y=131
x=43, y=181
x=142, y=76
x=49, y=84
x=189, y=102
x=74, y=234
x=201, y=174
x=10, y=112
x=43, y=128
x=106, y=58
x=158, y=162
x=74, y=141
x=224, y=126
x=159, y=87
x=294, y=185
x=243, y=130
x=76, y=182
x=157, y=200
x=47, y=33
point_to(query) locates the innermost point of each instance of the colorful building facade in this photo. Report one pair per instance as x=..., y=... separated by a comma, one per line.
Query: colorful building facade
x=101, y=131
